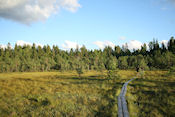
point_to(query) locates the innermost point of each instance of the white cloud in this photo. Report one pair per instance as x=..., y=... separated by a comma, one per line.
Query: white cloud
x=29, y=11
x=103, y=44
x=164, y=41
x=22, y=43
x=134, y=44
x=122, y=38
x=3, y=46
x=71, y=5
x=69, y=44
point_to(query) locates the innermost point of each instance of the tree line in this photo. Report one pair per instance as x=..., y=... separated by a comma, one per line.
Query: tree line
x=37, y=58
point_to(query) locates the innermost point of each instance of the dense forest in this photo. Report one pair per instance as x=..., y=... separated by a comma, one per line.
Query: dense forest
x=46, y=58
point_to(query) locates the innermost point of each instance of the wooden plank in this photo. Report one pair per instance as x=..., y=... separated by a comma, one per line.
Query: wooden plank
x=122, y=104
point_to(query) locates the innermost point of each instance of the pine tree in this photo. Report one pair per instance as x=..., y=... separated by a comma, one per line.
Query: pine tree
x=122, y=62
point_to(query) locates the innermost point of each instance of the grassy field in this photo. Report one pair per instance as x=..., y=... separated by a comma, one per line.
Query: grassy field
x=64, y=94
x=152, y=96
x=55, y=94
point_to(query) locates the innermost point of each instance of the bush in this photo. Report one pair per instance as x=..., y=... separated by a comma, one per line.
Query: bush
x=112, y=74
x=172, y=69
x=141, y=73
x=79, y=71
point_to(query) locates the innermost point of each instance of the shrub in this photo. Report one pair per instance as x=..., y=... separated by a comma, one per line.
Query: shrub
x=112, y=74
x=79, y=71
x=172, y=69
x=141, y=73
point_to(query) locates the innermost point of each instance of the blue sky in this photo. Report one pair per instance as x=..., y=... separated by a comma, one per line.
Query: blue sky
x=93, y=23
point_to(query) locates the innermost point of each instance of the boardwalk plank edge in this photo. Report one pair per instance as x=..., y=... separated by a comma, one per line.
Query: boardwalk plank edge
x=122, y=104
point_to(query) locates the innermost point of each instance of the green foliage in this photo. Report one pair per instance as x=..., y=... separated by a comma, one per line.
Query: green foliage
x=122, y=62
x=111, y=63
x=79, y=71
x=172, y=69
x=171, y=45
x=46, y=58
x=100, y=65
x=113, y=75
x=141, y=73
x=141, y=63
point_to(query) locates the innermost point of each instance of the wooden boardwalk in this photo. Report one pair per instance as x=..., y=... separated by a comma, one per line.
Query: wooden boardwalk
x=122, y=105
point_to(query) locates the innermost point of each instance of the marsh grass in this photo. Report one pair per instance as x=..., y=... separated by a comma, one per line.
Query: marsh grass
x=65, y=94
x=152, y=96
x=59, y=94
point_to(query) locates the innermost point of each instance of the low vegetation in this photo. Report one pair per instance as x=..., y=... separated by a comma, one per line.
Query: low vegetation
x=59, y=94
x=65, y=94
x=152, y=96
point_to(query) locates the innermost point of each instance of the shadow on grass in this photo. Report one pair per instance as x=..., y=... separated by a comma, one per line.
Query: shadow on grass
x=109, y=110
x=91, y=78
x=69, y=80
x=157, y=100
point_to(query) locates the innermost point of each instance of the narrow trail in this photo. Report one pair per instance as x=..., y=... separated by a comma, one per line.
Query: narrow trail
x=122, y=105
